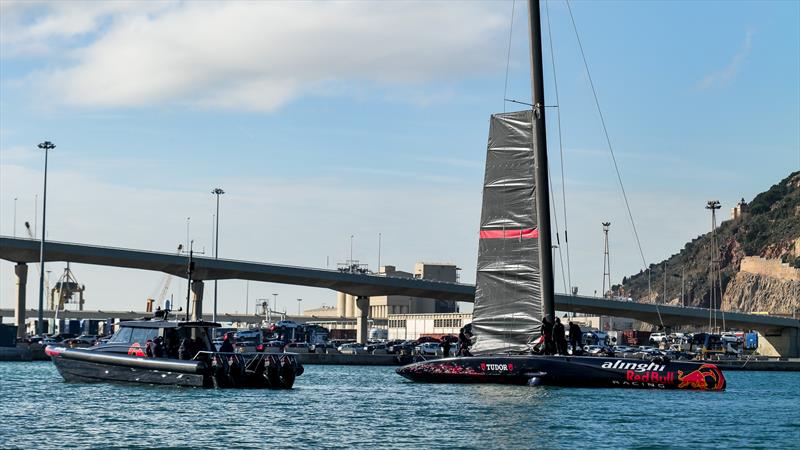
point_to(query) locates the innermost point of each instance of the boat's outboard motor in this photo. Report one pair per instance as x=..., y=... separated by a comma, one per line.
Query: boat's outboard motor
x=287, y=373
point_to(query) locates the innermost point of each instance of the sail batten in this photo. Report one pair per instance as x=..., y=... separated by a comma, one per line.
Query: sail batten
x=507, y=298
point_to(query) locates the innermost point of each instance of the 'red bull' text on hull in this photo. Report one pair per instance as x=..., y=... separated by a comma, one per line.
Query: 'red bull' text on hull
x=568, y=371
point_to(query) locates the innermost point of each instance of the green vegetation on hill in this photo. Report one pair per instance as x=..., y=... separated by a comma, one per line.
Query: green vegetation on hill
x=769, y=227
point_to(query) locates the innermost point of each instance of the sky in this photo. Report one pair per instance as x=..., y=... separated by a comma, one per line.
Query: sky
x=323, y=121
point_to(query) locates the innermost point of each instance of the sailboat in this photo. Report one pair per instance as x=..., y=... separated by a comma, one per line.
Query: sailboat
x=514, y=286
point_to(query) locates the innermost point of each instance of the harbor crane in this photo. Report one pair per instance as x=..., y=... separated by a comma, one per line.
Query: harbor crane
x=162, y=287
x=64, y=290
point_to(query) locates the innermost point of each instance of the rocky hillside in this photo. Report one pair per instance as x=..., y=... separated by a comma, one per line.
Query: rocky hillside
x=769, y=228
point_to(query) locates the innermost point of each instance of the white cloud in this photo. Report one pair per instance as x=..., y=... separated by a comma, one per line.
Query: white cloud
x=724, y=76
x=257, y=55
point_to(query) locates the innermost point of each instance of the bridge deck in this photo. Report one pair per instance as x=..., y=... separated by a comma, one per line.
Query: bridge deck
x=27, y=251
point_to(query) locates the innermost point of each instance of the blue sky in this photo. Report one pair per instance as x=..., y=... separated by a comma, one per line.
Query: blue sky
x=323, y=121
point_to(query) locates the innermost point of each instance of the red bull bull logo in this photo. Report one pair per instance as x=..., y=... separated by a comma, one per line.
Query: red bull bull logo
x=707, y=377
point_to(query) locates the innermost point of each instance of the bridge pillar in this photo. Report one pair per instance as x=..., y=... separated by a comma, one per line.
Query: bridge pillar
x=197, y=300
x=784, y=343
x=350, y=306
x=341, y=303
x=21, y=270
x=362, y=306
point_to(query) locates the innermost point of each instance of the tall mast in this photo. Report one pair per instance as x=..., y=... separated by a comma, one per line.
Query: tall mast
x=540, y=151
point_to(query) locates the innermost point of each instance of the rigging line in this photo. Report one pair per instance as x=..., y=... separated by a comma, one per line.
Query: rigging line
x=508, y=56
x=611, y=150
x=560, y=145
x=605, y=132
x=555, y=222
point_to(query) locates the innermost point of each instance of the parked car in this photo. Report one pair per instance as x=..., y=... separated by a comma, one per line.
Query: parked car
x=352, y=347
x=402, y=347
x=593, y=350
x=623, y=349
x=84, y=340
x=369, y=348
x=247, y=340
x=428, y=348
x=287, y=324
x=655, y=338
x=271, y=347
x=424, y=339
x=296, y=347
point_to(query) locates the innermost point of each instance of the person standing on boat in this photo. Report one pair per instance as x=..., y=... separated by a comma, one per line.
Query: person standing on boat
x=559, y=337
x=463, y=344
x=158, y=347
x=227, y=343
x=446, y=347
x=186, y=350
x=547, y=336
x=575, y=335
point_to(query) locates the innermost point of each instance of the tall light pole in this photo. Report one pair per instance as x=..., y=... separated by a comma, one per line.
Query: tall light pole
x=351, y=249
x=275, y=301
x=217, y=192
x=606, y=259
x=298, y=305
x=46, y=146
x=713, y=206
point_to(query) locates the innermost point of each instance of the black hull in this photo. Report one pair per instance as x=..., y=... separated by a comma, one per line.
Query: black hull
x=275, y=371
x=568, y=371
x=89, y=372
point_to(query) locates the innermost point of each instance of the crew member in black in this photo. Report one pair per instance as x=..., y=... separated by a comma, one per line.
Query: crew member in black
x=547, y=336
x=186, y=350
x=575, y=335
x=158, y=347
x=227, y=343
x=446, y=347
x=559, y=337
x=463, y=344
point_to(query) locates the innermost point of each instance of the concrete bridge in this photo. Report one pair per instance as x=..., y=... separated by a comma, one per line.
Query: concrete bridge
x=131, y=315
x=782, y=332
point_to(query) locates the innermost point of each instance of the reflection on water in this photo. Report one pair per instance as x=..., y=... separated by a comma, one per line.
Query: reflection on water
x=345, y=406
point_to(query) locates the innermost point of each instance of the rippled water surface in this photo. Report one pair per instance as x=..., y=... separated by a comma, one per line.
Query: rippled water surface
x=341, y=406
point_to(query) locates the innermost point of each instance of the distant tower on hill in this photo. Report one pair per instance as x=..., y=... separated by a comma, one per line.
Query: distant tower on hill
x=738, y=210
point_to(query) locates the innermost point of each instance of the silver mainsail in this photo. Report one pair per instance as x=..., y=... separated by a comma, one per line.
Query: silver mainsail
x=508, y=308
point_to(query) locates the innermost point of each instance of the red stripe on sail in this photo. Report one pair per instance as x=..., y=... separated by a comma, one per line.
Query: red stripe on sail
x=528, y=233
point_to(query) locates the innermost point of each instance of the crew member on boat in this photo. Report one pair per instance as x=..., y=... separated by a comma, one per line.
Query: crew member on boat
x=227, y=343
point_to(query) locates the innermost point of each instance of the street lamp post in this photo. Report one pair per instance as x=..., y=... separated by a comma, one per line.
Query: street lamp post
x=217, y=192
x=298, y=305
x=46, y=146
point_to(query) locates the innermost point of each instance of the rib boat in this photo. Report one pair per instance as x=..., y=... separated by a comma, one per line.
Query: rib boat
x=514, y=285
x=187, y=357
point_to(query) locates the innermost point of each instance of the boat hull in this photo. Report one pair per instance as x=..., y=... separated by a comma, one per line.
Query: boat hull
x=73, y=370
x=568, y=371
x=213, y=370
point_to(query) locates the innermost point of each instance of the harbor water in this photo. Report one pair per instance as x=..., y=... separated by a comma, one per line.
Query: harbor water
x=372, y=407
